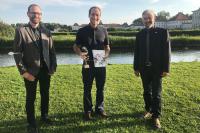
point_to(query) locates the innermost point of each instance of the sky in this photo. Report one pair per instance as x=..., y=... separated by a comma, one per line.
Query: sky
x=76, y=11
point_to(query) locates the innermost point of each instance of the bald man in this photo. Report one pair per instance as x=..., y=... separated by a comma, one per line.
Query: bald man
x=36, y=62
x=151, y=62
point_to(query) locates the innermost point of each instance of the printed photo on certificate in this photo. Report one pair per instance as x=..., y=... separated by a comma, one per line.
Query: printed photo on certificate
x=98, y=55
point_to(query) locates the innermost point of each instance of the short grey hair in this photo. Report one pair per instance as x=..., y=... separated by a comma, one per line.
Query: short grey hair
x=149, y=11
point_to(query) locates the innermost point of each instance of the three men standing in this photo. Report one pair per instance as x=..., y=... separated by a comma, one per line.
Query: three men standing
x=151, y=62
x=92, y=37
x=36, y=61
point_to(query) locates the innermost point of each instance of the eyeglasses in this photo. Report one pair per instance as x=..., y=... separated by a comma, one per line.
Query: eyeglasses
x=36, y=13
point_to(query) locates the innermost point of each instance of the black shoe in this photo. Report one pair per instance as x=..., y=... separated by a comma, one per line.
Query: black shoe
x=32, y=129
x=88, y=116
x=46, y=120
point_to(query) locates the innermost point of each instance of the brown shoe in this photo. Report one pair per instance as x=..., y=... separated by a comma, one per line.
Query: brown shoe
x=88, y=116
x=157, y=123
x=147, y=115
x=102, y=114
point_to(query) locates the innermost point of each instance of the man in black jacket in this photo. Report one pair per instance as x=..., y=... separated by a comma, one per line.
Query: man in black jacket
x=36, y=61
x=151, y=62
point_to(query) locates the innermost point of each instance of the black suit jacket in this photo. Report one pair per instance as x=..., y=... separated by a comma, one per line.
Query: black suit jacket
x=159, y=48
x=29, y=58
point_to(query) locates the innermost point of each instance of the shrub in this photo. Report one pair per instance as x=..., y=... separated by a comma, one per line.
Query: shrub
x=6, y=30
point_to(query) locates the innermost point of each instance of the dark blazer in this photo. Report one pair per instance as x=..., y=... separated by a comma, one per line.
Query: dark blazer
x=159, y=48
x=29, y=58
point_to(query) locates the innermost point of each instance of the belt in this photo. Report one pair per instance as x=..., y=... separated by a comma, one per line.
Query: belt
x=148, y=64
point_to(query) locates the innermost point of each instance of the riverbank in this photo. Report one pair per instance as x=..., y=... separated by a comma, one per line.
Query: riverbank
x=121, y=56
x=117, y=42
x=123, y=101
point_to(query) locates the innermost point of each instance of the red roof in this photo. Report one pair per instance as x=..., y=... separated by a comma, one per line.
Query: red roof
x=179, y=17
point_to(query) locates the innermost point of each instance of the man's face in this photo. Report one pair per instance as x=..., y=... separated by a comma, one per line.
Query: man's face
x=95, y=16
x=35, y=14
x=148, y=20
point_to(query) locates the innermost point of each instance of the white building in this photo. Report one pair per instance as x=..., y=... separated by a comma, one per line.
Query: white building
x=75, y=27
x=180, y=21
x=174, y=24
x=196, y=19
x=136, y=26
x=187, y=24
x=113, y=25
x=161, y=24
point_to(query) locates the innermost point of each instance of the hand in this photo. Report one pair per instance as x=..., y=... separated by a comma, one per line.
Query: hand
x=137, y=73
x=83, y=55
x=28, y=76
x=164, y=74
x=105, y=57
x=50, y=74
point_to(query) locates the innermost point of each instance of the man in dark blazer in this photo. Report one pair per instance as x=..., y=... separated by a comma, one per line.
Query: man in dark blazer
x=151, y=62
x=36, y=61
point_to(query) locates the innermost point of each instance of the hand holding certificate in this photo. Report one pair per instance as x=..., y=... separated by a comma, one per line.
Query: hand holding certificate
x=99, y=58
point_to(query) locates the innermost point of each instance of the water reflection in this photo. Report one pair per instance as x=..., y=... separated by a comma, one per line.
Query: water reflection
x=115, y=57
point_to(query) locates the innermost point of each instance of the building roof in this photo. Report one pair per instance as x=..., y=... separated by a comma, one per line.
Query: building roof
x=75, y=24
x=196, y=10
x=180, y=17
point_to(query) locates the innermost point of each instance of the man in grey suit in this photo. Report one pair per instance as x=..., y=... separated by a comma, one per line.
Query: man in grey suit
x=36, y=61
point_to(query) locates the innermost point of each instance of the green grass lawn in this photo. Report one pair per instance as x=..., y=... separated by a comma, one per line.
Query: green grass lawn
x=123, y=101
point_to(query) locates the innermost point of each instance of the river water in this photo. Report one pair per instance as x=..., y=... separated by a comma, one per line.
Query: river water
x=115, y=57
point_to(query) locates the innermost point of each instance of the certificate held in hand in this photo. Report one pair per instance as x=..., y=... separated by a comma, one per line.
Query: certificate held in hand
x=98, y=56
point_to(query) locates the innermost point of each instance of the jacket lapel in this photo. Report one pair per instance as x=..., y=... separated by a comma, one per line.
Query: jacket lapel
x=30, y=33
x=44, y=37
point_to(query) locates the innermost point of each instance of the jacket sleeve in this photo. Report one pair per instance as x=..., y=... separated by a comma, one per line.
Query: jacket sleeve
x=18, y=50
x=166, y=52
x=136, y=54
x=52, y=54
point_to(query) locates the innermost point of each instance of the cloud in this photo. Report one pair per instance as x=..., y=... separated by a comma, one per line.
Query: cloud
x=192, y=1
x=9, y=4
x=154, y=1
x=74, y=3
x=126, y=18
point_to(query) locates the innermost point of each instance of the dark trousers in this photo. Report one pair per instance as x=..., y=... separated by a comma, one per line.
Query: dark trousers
x=152, y=84
x=44, y=81
x=88, y=76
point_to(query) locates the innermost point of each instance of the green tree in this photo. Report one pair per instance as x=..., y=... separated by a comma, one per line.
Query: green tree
x=163, y=16
x=6, y=30
x=137, y=21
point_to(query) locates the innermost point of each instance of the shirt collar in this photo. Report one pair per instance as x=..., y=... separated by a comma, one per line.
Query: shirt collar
x=38, y=28
x=93, y=28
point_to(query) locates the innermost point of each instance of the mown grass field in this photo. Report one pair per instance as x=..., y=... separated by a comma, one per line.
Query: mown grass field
x=123, y=101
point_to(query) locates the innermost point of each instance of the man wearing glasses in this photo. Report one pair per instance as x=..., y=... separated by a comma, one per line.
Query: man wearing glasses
x=36, y=62
x=152, y=62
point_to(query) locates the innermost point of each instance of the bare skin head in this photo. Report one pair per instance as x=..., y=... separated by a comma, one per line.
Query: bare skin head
x=35, y=15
